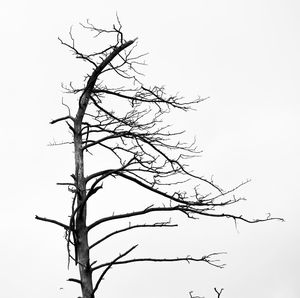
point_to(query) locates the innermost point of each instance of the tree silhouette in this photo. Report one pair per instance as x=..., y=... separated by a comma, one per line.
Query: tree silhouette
x=128, y=122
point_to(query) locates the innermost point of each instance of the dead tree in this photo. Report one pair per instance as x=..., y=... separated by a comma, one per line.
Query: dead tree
x=128, y=122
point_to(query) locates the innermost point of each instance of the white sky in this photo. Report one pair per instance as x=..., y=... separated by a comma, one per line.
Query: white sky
x=245, y=56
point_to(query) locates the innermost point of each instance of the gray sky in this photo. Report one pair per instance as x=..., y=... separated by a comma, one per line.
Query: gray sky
x=244, y=55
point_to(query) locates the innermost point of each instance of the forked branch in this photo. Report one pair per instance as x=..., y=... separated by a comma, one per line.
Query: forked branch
x=218, y=292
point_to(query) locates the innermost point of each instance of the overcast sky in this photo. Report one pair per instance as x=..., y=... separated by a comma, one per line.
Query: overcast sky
x=244, y=55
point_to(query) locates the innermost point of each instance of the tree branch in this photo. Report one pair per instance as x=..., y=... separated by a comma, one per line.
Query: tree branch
x=218, y=292
x=187, y=210
x=61, y=119
x=53, y=221
x=188, y=259
x=110, y=264
x=85, y=96
x=136, y=213
x=191, y=295
x=74, y=280
x=156, y=225
x=240, y=217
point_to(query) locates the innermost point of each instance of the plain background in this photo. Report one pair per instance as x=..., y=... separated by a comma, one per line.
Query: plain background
x=244, y=55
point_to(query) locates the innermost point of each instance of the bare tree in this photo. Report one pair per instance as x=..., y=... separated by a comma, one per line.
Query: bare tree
x=128, y=122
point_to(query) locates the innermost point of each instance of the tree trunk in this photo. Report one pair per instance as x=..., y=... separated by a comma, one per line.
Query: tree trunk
x=81, y=233
x=81, y=245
